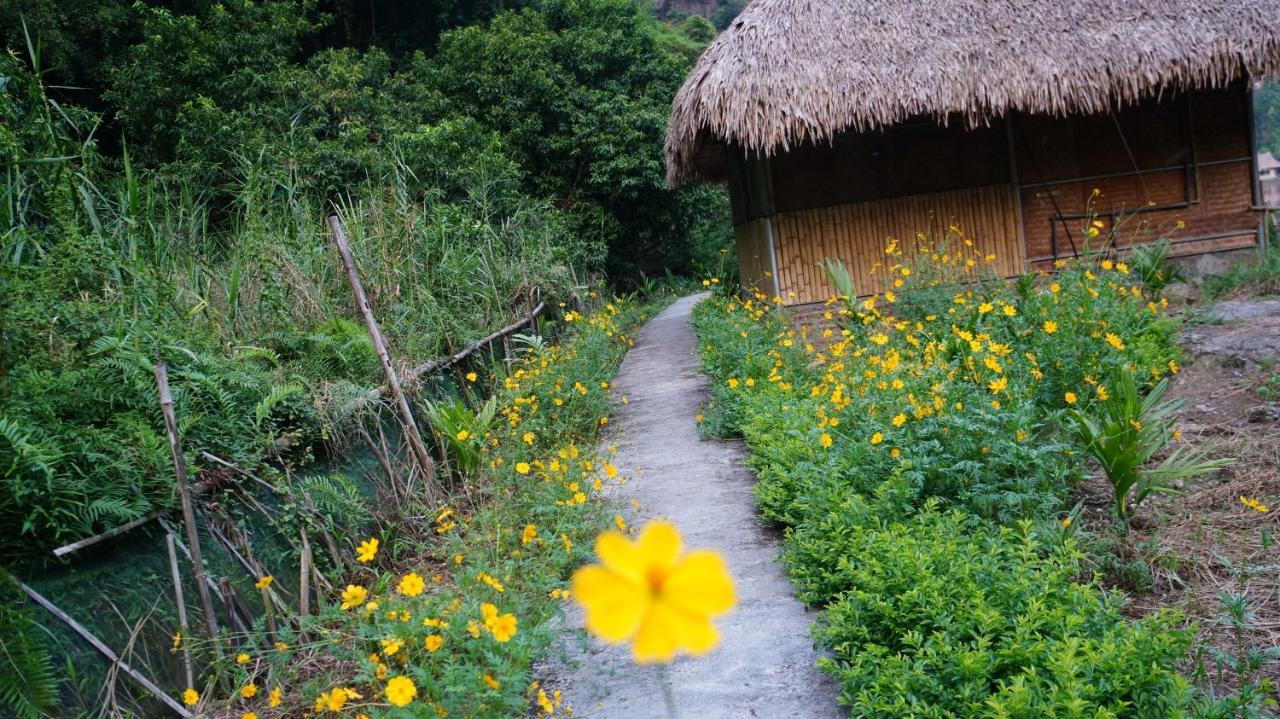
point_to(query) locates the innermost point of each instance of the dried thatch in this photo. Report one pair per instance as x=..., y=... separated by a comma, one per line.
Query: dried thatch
x=793, y=71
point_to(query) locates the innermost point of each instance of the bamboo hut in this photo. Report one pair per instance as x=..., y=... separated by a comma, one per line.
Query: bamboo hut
x=838, y=124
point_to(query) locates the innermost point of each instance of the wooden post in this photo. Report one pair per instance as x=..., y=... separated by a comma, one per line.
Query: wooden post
x=103, y=649
x=304, y=583
x=188, y=509
x=419, y=448
x=182, y=608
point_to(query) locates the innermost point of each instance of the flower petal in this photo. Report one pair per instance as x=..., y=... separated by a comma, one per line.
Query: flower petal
x=667, y=628
x=614, y=604
x=620, y=555
x=700, y=583
x=656, y=641
x=659, y=543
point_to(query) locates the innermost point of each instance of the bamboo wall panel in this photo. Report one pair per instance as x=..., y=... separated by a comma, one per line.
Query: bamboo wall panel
x=857, y=233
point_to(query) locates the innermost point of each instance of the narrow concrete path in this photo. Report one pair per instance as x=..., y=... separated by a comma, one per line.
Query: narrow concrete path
x=764, y=666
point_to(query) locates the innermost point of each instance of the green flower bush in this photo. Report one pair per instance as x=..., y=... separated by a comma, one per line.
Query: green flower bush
x=919, y=453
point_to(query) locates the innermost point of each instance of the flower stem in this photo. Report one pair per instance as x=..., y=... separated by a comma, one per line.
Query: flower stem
x=664, y=681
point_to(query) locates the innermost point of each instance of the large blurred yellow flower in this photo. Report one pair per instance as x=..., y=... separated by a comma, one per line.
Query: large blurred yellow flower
x=648, y=592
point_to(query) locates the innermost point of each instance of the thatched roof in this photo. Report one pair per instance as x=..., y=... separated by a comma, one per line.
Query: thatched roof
x=793, y=71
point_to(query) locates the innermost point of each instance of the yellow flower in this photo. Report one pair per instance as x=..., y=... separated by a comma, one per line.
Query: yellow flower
x=1253, y=504
x=899, y=419
x=190, y=697
x=249, y=715
x=877, y=438
x=1070, y=397
x=895, y=453
x=1010, y=310
x=985, y=307
x=411, y=585
x=530, y=533
x=1066, y=522
x=264, y=582
x=433, y=642
x=273, y=700
x=177, y=640
x=998, y=385
x=471, y=377
x=401, y=690
x=825, y=440
x=281, y=646
x=249, y=691
x=462, y=435
x=391, y=646
x=522, y=467
x=1102, y=393
x=502, y=626
x=489, y=680
x=1050, y=327
x=353, y=596
x=484, y=577
x=367, y=550
x=1114, y=340
x=610, y=471
x=335, y=699
x=733, y=383
x=242, y=658
x=650, y=592
x=529, y=437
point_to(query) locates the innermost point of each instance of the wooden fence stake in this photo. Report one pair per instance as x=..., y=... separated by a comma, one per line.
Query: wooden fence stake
x=188, y=509
x=304, y=583
x=419, y=448
x=182, y=608
x=103, y=649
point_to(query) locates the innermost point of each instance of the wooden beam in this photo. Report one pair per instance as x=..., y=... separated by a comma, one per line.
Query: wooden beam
x=113, y=532
x=103, y=649
x=435, y=364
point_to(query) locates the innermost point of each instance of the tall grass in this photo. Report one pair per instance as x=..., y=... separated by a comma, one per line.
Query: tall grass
x=106, y=268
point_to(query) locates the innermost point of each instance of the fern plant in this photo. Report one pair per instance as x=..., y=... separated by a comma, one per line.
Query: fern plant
x=28, y=689
x=1127, y=431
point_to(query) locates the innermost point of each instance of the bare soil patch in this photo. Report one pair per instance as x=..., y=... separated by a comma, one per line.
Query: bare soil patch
x=1203, y=543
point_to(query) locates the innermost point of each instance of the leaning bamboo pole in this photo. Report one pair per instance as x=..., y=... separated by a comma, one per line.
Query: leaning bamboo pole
x=181, y=602
x=188, y=508
x=419, y=448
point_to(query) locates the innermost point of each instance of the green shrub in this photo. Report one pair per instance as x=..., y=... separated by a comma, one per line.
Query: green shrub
x=943, y=616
